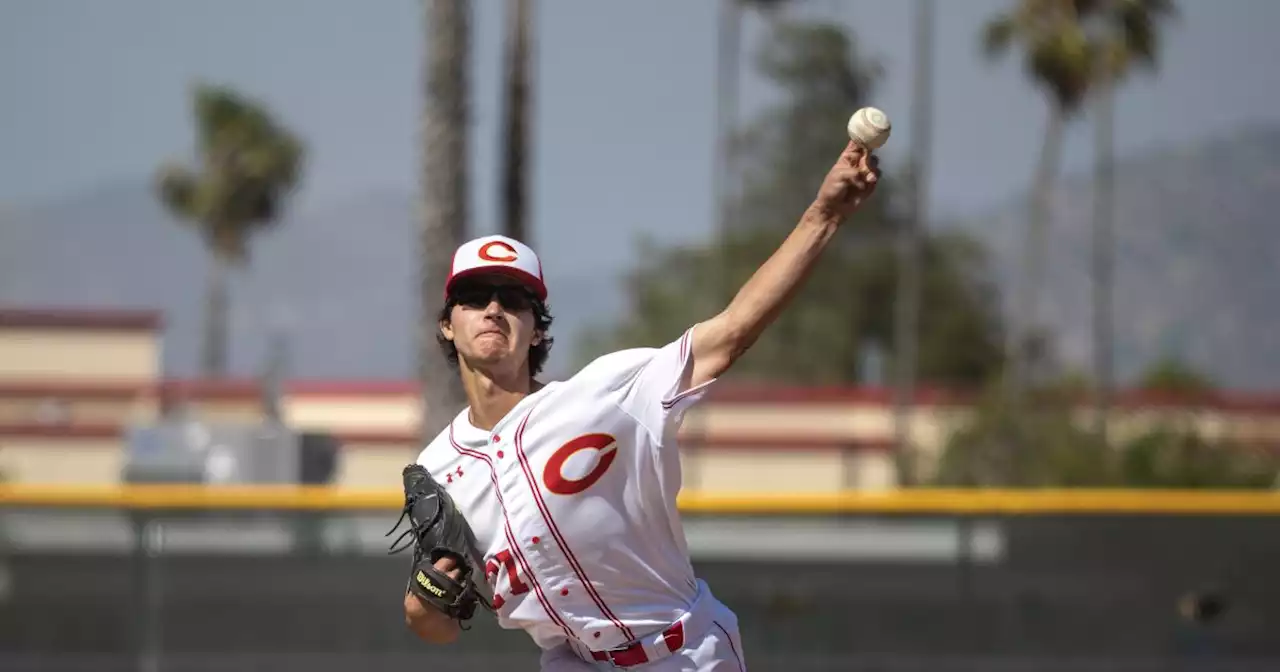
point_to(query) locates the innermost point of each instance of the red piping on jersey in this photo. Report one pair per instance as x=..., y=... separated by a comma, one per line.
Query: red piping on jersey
x=555, y=532
x=515, y=547
x=668, y=404
x=729, y=638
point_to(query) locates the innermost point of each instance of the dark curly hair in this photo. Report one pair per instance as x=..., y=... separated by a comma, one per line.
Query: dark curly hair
x=537, y=353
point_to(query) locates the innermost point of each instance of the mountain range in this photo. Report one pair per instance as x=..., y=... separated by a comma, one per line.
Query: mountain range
x=337, y=280
x=1198, y=268
x=1197, y=272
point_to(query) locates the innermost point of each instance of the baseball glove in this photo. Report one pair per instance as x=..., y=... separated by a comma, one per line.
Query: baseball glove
x=439, y=530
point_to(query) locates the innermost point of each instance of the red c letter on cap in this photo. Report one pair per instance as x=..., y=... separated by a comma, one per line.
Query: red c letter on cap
x=490, y=256
x=553, y=476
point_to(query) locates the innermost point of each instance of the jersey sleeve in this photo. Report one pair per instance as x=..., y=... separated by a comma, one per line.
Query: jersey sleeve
x=660, y=393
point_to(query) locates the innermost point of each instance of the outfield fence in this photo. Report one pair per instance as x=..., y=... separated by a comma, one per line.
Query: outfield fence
x=174, y=578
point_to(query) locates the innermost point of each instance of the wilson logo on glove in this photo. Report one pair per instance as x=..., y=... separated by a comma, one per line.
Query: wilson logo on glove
x=426, y=583
x=438, y=530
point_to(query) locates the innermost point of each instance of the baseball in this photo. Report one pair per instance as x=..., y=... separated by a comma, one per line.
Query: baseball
x=870, y=127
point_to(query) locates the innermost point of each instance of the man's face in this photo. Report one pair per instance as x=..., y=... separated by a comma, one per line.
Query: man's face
x=491, y=323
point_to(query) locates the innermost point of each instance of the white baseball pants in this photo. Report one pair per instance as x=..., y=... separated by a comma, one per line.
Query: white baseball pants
x=711, y=644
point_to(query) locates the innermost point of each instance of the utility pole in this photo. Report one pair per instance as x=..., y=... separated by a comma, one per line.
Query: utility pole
x=907, y=307
x=723, y=182
x=728, y=52
x=516, y=158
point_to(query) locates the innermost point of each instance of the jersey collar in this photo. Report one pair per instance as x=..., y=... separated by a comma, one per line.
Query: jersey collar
x=471, y=436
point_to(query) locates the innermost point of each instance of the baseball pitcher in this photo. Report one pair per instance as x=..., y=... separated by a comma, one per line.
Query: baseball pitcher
x=553, y=505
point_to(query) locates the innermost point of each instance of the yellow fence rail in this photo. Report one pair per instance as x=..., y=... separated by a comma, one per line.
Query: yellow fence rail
x=920, y=501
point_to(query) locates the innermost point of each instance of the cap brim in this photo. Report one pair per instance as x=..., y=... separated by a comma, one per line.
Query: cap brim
x=525, y=278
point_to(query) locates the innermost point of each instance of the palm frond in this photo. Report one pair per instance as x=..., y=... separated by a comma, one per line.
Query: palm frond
x=997, y=36
x=1127, y=34
x=766, y=6
x=176, y=187
x=1137, y=24
x=1069, y=44
x=249, y=164
x=1062, y=62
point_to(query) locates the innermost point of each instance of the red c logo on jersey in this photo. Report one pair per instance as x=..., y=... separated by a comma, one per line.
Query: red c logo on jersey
x=553, y=475
x=490, y=256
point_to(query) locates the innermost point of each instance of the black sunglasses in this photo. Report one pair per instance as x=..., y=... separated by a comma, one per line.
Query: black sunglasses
x=510, y=297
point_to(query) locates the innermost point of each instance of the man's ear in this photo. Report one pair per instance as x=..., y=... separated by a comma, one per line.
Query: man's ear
x=446, y=329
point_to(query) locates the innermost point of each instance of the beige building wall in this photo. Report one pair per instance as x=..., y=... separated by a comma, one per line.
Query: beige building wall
x=71, y=382
x=79, y=346
x=374, y=465
x=338, y=413
x=61, y=459
x=50, y=355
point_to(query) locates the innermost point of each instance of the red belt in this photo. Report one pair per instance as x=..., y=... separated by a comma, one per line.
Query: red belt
x=633, y=654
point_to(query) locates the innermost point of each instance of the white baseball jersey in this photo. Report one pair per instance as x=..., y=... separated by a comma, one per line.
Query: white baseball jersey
x=572, y=497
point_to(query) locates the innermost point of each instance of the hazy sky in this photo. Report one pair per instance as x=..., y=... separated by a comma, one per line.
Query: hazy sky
x=94, y=92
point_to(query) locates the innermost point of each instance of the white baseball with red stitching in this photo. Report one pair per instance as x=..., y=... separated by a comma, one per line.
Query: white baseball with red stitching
x=870, y=127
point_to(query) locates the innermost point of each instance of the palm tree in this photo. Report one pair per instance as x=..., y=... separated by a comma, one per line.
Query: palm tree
x=444, y=192
x=1058, y=59
x=1126, y=36
x=515, y=147
x=248, y=165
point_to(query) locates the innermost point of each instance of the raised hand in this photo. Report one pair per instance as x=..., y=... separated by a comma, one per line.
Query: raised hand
x=849, y=183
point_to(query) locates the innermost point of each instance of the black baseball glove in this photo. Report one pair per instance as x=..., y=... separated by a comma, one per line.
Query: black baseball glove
x=439, y=530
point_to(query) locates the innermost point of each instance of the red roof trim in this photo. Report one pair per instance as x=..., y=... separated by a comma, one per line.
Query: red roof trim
x=242, y=388
x=196, y=389
x=1261, y=403
x=377, y=438
x=50, y=389
x=81, y=318
x=35, y=430
x=113, y=431
x=357, y=439
x=798, y=394
x=690, y=442
x=346, y=388
x=1242, y=402
x=207, y=390
x=371, y=438
x=693, y=443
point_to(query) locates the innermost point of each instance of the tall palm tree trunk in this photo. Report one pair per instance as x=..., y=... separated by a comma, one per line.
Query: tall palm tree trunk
x=1026, y=310
x=515, y=181
x=1034, y=255
x=213, y=355
x=444, y=190
x=1103, y=257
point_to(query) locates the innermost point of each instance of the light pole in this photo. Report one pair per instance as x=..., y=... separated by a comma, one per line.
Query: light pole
x=907, y=307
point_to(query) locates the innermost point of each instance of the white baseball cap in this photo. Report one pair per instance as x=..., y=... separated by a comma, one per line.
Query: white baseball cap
x=498, y=255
